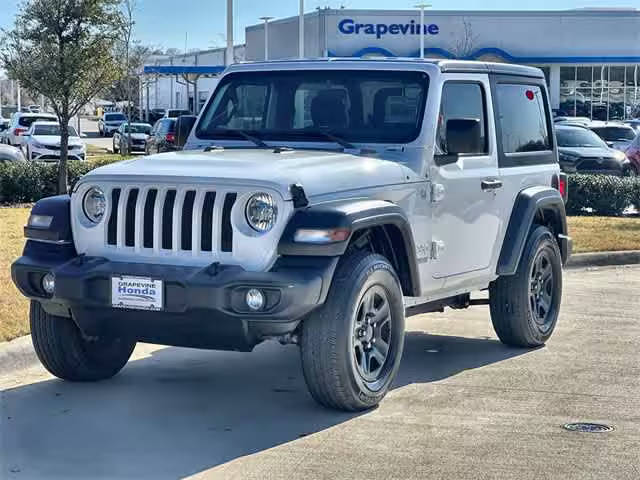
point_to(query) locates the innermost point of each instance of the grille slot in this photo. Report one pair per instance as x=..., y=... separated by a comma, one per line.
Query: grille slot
x=187, y=217
x=167, y=220
x=112, y=228
x=226, y=234
x=130, y=218
x=206, y=238
x=175, y=220
x=149, y=206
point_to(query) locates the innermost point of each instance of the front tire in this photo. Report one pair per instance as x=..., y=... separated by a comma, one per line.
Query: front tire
x=351, y=347
x=525, y=307
x=68, y=355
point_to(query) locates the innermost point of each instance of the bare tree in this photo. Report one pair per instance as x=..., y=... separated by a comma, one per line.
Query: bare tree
x=63, y=50
x=465, y=45
x=129, y=7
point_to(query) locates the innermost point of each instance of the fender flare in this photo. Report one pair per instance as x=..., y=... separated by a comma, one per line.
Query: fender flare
x=529, y=202
x=354, y=215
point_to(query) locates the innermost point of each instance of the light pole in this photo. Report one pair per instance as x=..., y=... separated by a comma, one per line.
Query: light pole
x=229, y=59
x=266, y=36
x=422, y=6
x=301, y=30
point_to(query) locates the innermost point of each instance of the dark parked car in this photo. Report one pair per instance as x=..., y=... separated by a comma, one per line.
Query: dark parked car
x=156, y=114
x=139, y=133
x=175, y=113
x=162, y=138
x=582, y=151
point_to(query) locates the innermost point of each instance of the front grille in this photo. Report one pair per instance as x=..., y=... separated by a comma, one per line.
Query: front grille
x=180, y=220
x=589, y=163
x=57, y=147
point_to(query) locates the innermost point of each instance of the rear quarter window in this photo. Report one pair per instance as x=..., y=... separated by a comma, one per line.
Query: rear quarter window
x=522, y=118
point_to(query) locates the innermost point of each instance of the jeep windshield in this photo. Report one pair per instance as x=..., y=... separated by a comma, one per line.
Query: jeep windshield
x=336, y=106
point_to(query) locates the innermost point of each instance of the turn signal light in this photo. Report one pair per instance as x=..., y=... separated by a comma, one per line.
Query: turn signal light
x=319, y=236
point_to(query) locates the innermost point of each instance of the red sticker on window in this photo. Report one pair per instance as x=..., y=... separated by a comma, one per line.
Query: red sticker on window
x=530, y=95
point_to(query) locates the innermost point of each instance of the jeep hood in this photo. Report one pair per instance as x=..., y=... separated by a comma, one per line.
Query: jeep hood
x=318, y=171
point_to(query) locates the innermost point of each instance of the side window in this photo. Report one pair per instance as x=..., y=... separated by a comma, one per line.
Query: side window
x=462, y=100
x=523, y=119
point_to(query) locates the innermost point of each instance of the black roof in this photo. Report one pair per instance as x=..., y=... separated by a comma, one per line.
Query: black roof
x=445, y=65
x=488, y=67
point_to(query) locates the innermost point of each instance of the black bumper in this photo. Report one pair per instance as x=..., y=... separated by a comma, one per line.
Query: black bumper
x=203, y=307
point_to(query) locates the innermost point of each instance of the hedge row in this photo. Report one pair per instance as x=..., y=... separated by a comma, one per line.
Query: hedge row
x=602, y=194
x=25, y=182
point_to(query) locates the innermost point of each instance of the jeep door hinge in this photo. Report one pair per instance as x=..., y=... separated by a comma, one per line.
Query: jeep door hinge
x=437, y=247
x=437, y=192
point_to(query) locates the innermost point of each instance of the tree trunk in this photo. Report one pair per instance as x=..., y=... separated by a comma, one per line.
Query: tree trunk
x=63, y=186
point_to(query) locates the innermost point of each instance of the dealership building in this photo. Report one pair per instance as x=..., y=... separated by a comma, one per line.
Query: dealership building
x=591, y=57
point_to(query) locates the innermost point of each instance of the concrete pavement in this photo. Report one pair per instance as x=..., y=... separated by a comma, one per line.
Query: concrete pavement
x=463, y=406
x=92, y=137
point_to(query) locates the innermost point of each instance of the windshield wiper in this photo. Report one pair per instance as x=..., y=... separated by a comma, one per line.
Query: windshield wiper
x=251, y=138
x=334, y=138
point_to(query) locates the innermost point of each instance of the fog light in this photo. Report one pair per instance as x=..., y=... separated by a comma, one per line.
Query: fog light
x=49, y=283
x=255, y=299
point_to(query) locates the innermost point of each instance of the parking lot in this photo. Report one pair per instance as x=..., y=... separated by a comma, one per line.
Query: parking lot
x=89, y=128
x=464, y=406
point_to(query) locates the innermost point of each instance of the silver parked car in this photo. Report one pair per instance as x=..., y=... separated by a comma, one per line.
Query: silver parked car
x=10, y=154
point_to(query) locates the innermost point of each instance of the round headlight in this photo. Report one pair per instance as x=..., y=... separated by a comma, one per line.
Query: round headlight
x=261, y=212
x=94, y=204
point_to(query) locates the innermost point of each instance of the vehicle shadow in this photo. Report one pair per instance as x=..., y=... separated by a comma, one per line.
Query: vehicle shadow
x=182, y=411
x=92, y=134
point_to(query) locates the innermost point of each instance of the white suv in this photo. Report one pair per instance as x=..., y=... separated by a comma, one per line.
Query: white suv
x=20, y=123
x=42, y=143
x=316, y=203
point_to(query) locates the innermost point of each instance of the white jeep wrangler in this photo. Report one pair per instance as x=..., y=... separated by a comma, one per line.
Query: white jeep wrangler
x=317, y=203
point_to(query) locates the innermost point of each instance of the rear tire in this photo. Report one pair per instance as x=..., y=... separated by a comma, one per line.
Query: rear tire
x=352, y=346
x=525, y=306
x=68, y=355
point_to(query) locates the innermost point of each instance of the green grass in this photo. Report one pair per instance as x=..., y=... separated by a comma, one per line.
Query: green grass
x=590, y=234
x=14, y=320
x=602, y=234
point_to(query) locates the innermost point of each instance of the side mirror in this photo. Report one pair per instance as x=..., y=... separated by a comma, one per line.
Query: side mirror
x=184, y=124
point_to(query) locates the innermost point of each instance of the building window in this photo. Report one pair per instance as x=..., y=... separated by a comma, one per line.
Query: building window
x=600, y=92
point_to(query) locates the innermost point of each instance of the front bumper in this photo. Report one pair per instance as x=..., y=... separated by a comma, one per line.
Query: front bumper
x=47, y=154
x=108, y=129
x=203, y=307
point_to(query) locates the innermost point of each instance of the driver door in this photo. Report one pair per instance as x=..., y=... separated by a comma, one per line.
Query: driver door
x=467, y=187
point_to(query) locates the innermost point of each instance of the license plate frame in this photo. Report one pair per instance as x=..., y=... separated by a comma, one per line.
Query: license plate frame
x=137, y=293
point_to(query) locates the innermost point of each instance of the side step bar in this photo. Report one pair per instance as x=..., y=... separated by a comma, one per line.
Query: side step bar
x=418, y=306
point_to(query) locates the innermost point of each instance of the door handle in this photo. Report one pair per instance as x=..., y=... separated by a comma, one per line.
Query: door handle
x=491, y=184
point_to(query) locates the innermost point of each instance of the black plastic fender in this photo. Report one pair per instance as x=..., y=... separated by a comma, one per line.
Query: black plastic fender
x=55, y=240
x=354, y=215
x=528, y=203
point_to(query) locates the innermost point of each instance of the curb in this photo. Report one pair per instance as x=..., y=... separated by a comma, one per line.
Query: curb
x=17, y=354
x=603, y=259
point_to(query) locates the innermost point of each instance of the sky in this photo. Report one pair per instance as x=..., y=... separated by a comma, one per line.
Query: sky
x=160, y=23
